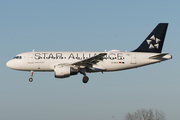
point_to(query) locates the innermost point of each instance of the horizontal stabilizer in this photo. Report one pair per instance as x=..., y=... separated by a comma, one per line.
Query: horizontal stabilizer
x=158, y=56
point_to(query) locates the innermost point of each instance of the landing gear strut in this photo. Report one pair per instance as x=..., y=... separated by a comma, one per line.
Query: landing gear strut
x=31, y=79
x=85, y=78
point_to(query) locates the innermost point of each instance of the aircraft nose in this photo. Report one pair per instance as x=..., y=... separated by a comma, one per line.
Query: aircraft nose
x=9, y=64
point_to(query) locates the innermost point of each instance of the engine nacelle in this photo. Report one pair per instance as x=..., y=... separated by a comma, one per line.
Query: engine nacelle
x=63, y=71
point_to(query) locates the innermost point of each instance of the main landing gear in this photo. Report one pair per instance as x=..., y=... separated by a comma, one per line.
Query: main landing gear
x=31, y=79
x=85, y=78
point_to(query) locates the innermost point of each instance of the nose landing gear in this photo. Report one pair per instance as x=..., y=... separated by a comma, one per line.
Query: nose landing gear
x=31, y=74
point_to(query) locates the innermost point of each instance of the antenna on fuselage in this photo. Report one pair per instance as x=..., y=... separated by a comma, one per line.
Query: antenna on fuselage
x=33, y=50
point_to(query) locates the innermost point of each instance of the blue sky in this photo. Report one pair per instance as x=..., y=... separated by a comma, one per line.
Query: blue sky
x=91, y=25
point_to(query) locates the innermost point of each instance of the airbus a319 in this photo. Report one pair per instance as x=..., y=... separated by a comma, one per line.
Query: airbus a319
x=65, y=64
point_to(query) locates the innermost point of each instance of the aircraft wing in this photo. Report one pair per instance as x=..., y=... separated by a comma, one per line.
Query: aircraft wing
x=90, y=61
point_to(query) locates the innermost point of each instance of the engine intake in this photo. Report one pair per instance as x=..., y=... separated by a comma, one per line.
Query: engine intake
x=63, y=71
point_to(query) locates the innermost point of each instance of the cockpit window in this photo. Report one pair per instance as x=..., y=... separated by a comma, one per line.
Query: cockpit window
x=18, y=57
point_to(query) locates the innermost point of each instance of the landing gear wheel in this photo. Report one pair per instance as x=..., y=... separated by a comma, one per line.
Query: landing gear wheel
x=30, y=79
x=85, y=79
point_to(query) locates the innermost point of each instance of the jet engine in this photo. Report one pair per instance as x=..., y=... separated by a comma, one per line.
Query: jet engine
x=63, y=71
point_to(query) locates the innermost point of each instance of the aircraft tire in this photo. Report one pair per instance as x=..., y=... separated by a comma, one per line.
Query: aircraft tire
x=85, y=79
x=30, y=79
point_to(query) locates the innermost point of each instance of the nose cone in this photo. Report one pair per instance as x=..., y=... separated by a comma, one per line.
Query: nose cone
x=10, y=64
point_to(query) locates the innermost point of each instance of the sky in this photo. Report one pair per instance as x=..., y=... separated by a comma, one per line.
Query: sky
x=87, y=25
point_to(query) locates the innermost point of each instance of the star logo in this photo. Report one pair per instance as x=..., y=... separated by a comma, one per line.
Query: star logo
x=153, y=42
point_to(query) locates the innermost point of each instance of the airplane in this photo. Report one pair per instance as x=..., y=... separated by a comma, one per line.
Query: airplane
x=64, y=64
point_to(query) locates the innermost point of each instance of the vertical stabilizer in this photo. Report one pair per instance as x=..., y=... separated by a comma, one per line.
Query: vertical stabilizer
x=154, y=42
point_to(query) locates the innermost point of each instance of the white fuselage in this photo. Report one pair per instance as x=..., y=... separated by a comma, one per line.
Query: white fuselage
x=114, y=60
x=65, y=64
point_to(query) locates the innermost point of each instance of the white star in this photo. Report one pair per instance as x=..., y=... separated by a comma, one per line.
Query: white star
x=157, y=40
x=151, y=46
x=153, y=37
x=156, y=45
x=148, y=41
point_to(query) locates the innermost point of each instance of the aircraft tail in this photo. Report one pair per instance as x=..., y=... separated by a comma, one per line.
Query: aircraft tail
x=154, y=42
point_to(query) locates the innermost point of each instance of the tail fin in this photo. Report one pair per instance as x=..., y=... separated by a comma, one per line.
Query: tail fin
x=154, y=42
